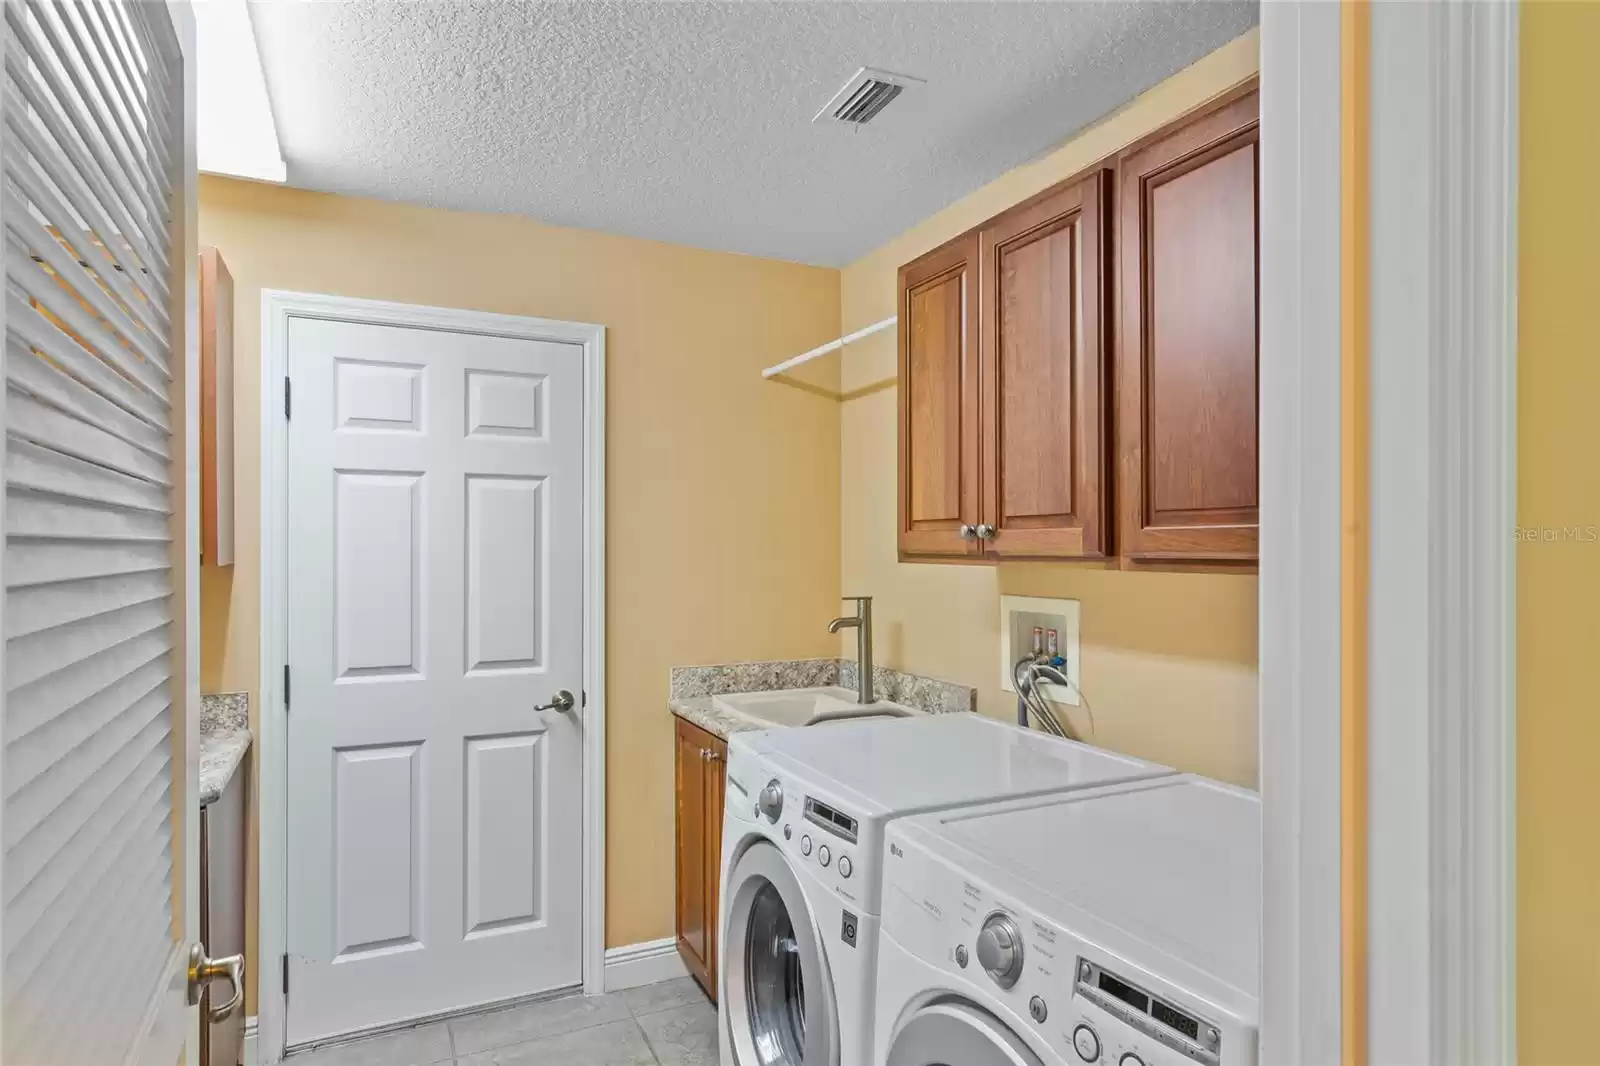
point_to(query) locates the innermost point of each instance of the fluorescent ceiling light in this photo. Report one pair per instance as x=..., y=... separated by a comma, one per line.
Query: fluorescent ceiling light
x=234, y=129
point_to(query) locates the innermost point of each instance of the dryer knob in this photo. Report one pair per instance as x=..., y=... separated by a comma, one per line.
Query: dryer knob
x=771, y=800
x=1130, y=1059
x=1000, y=949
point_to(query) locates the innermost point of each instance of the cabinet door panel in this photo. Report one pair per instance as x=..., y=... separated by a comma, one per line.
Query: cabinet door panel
x=1188, y=368
x=1042, y=313
x=938, y=401
x=690, y=772
x=715, y=783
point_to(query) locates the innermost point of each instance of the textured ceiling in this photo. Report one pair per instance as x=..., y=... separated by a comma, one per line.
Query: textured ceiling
x=691, y=122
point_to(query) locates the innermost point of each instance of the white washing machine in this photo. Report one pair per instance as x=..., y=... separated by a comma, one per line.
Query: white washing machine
x=1117, y=926
x=802, y=856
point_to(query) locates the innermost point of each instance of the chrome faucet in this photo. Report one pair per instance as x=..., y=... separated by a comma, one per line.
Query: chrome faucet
x=862, y=621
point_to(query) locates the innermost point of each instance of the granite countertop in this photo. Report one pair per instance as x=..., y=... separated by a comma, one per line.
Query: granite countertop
x=224, y=741
x=220, y=756
x=691, y=688
x=700, y=711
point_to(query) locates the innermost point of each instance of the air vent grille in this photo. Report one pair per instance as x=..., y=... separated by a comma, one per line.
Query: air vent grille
x=867, y=101
x=864, y=96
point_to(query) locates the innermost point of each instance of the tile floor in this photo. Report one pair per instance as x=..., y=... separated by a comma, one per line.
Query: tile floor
x=666, y=1024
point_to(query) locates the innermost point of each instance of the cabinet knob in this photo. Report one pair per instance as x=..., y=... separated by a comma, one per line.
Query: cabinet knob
x=985, y=532
x=968, y=532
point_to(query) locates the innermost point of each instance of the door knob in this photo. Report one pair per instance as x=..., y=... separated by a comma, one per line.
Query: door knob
x=202, y=971
x=562, y=701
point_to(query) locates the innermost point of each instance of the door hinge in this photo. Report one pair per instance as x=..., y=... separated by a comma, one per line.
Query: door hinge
x=286, y=404
x=286, y=686
x=286, y=976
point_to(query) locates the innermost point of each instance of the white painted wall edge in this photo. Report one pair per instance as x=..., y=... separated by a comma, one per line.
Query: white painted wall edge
x=1299, y=583
x=645, y=963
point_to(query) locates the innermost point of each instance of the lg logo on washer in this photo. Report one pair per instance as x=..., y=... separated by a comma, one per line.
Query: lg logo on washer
x=894, y=849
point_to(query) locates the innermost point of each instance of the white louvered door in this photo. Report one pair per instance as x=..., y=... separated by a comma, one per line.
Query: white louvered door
x=98, y=799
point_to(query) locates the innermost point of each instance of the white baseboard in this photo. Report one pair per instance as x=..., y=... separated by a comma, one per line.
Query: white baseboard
x=250, y=1048
x=632, y=965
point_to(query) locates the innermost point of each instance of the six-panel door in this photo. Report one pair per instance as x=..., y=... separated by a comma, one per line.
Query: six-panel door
x=938, y=334
x=1043, y=317
x=1187, y=428
x=435, y=603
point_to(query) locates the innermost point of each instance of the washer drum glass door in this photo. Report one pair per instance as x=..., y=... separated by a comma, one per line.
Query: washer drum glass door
x=954, y=1033
x=775, y=977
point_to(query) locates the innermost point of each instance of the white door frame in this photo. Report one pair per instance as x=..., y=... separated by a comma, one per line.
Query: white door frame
x=277, y=308
x=1441, y=785
x=1441, y=793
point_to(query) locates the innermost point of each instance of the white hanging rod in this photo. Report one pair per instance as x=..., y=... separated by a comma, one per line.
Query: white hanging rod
x=824, y=349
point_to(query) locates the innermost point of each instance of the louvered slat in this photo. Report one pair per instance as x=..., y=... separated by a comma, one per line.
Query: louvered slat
x=34, y=467
x=48, y=913
x=49, y=159
x=28, y=59
x=31, y=374
x=32, y=515
x=31, y=657
x=33, y=236
x=45, y=291
x=57, y=212
x=32, y=329
x=103, y=104
x=91, y=131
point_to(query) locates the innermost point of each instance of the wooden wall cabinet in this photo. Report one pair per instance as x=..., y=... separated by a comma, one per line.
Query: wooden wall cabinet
x=216, y=410
x=1187, y=426
x=700, y=765
x=1078, y=374
x=1043, y=278
x=938, y=484
x=1002, y=384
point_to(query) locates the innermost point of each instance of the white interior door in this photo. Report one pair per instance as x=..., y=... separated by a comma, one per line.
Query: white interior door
x=99, y=809
x=435, y=602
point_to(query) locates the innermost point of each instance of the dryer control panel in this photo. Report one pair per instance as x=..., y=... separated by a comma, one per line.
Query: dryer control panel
x=1087, y=1004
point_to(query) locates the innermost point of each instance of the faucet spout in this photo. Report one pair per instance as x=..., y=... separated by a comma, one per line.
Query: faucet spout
x=861, y=621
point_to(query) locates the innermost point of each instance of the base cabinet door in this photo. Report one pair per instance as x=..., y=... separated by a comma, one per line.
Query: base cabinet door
x=1044, y=317
x=1187, y=371
x=698, y=775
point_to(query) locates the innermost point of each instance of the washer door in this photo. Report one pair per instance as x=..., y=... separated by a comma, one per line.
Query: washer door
x=953, y=1033
x=775, y=976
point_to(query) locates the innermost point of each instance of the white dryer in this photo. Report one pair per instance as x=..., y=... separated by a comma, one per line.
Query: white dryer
x=802, y=857
x=1117, y=926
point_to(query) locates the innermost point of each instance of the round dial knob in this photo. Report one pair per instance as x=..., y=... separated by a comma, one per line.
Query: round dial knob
x=771, y=800
x=1130, y=1059
x=1086, y=1043
x=1000, y=949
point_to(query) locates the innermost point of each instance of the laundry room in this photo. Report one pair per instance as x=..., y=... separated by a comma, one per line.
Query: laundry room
x=801, y=533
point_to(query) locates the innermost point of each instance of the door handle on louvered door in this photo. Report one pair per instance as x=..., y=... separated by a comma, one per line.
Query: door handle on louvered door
x=202, y=971
x=562, y=701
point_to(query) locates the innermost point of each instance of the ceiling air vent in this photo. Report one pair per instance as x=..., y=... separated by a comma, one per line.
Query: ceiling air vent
x=864, y=96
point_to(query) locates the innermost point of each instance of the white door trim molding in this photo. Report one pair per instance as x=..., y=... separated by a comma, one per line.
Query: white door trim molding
x=277, y=307
x=1442, y=730
x=1300, y=533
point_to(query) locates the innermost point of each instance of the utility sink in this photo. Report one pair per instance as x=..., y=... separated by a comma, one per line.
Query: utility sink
x=805, y=706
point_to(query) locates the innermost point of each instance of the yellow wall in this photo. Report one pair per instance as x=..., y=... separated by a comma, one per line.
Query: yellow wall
x=1558, y=487
x=722, y=490
x=1169, y=660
